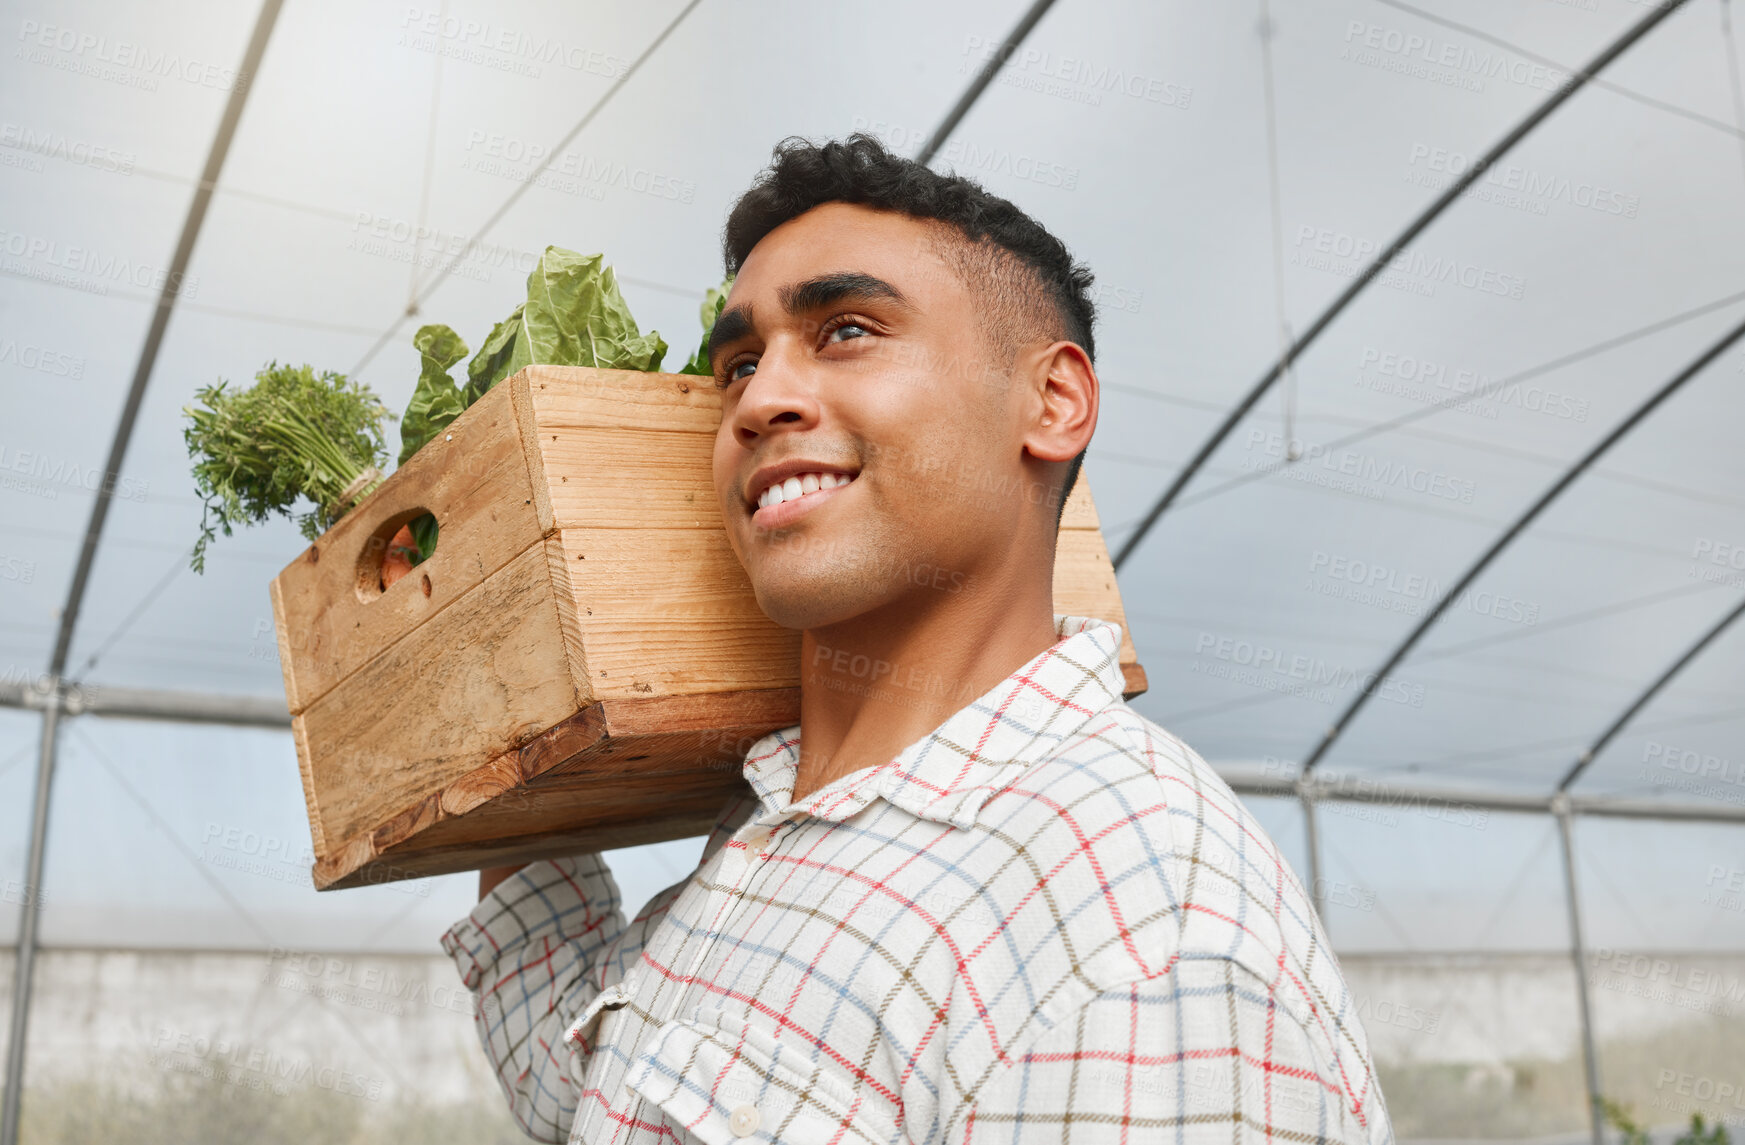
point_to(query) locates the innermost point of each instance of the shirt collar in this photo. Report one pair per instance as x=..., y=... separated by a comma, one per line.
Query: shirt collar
x=978, y=751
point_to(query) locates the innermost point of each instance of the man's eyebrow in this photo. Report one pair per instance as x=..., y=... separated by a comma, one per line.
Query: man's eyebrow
x=829, y=289
x=730, y=327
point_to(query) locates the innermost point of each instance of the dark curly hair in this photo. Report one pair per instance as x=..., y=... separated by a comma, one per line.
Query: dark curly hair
x=860, y=170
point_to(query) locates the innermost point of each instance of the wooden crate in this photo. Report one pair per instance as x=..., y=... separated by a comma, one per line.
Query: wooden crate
x=580, y=665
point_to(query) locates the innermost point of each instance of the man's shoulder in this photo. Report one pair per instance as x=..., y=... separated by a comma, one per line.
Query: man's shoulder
x=1119, y=763
x=1168, y=836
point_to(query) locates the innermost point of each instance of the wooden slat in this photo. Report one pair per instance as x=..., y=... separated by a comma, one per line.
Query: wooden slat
x=668, y=611
x=1084, y=585
x=527, y=429
x=283, y=625
x=565, y=599
x=619, y=478
x=1081, y=509
x=709, y=732
x=626, y=451
x=525, y=832
x=461, y=690
x=1134, y=679
x=635, y=764
x=573, y=397
x=306, y=772
x=474, y=478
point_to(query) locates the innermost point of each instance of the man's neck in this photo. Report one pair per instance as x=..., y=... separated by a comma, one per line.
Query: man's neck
x=871, y=686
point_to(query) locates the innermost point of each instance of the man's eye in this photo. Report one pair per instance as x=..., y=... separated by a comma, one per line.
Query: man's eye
x=858, y=331
x=734, y=371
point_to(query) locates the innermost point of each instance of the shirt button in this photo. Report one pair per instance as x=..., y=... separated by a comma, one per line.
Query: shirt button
x=744, y=1121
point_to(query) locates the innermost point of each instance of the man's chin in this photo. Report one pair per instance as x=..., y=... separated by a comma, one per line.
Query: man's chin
x=804, y=605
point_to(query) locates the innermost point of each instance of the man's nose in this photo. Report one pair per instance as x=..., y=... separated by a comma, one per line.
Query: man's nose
x=778, y=394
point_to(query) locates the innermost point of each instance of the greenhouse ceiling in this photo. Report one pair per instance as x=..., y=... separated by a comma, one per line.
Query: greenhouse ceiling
x=1227, y=171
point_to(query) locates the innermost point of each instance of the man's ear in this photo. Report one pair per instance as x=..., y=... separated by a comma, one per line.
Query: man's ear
x=1061, y=407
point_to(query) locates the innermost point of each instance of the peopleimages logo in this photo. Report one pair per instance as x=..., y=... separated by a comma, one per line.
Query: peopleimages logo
x=1693, y=763
x=1378, y=368
x=44, y=361
x=510, y=157
x=17, y=569
x=1070, y=77
x=55, y=145
x=1442, y=61
x=119, y=60
x=1309, y=677
x=1368, y=475
x=51, y=260
x=400, y=240
x=256, y=1067
x=969, y=157
x=1436, y=167
x=510, y=49
x=1385, y=586
x=43, y=475
x=1322, y=248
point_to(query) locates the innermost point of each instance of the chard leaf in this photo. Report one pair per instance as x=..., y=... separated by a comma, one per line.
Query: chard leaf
x=424, y=536
x=710, y=312
x=576, y=316
x=435, y=402
x=503, y=353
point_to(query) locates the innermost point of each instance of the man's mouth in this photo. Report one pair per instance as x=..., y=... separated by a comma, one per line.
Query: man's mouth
x=786, y=501
x=800, y=485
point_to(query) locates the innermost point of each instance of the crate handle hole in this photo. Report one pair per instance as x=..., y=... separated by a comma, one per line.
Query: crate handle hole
x=395, y=547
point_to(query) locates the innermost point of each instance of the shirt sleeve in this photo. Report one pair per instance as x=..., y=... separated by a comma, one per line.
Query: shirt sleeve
x=540, y=947
x=526, y=952
x=1202, y=1055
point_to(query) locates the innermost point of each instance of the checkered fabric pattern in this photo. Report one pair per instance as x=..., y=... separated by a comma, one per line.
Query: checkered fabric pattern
x=1047, y=921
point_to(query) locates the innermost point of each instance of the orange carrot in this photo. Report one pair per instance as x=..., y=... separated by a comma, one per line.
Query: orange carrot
x=398, y=562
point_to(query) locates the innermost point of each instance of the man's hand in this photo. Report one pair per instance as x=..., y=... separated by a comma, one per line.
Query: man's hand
x=491, y=876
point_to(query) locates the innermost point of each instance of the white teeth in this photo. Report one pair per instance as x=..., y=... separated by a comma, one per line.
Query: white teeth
x=799, y=486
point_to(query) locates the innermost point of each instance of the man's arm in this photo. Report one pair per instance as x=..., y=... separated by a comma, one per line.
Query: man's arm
x=543, y=942
x=1203, y=1055
x=491, y=876
x=529, y=952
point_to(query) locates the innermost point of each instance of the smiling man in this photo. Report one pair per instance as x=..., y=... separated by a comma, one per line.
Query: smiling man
x=972, y=896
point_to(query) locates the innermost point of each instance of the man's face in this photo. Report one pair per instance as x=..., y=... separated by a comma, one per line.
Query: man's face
x=849, y=348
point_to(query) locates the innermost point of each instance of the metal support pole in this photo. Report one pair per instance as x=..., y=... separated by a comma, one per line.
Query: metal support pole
x=1317, y=888
x=28, y=914
x=1590, y=1058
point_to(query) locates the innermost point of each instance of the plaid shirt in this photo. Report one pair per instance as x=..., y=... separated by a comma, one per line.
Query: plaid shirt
x=1049, y=920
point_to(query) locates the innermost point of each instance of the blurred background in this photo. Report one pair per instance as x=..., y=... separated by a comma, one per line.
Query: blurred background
x=1527, y=836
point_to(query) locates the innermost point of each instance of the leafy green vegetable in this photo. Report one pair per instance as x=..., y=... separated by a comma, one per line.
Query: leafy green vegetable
x=424, y=536
x=574, y=316
x=298, y=435
x=293, y=435
x=436, y=401
x=710, y=312
x=495, y=359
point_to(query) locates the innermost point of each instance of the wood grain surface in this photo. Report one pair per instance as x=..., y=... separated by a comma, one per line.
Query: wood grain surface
x=475, y=682
x=333, y=616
